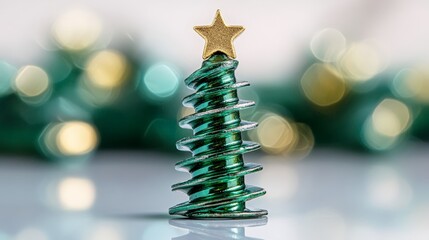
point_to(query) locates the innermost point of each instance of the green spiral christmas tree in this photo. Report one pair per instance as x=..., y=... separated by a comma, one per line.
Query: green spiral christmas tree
x=217, y=188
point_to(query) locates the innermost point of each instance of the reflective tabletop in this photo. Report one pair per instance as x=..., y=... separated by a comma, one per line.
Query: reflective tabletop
x=118, y=195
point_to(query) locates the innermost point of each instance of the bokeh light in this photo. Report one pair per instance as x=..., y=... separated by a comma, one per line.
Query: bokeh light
x=305, y=140
x=32, y=83
x=70, y=139
x=77, y=29
x=323, y=85
x=385, y=125
x=374, y=140
x=76, y=194
x=275, y=134
x=7, y=73
x=413, y=83
x=280, y=135
x=105, y=78
x=391, y=117
x=362, y=61
x=107, y=69
x=31, y=233
x=76, y=138
x=328, y=45
x=387, y=189
x=160, y=80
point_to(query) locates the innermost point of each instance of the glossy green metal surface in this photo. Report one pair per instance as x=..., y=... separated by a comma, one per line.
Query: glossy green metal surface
x=217, y=188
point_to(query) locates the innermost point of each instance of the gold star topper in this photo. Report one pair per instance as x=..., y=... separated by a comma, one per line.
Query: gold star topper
x=219, y=37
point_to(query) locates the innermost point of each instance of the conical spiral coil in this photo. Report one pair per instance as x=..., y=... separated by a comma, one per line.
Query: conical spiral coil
x=217, y=188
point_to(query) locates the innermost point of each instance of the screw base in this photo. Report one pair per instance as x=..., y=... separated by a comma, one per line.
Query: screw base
x=247, y=213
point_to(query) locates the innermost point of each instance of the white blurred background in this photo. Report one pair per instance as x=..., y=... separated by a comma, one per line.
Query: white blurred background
x=277, y=32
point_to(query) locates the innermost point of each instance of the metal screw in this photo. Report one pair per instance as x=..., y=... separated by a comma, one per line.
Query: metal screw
x=217, y=188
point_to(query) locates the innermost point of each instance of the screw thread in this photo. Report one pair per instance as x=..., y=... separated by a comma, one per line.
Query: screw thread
x=217, y=187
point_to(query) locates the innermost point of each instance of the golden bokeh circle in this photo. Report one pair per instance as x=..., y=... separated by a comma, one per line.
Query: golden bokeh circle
x=275, y=134
x=413, y=83
x=323, y=85
x=77, y=29
x=391, y=117
x=31, y=81
x=107, y=69
x=361, y=62
x=76, y=138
